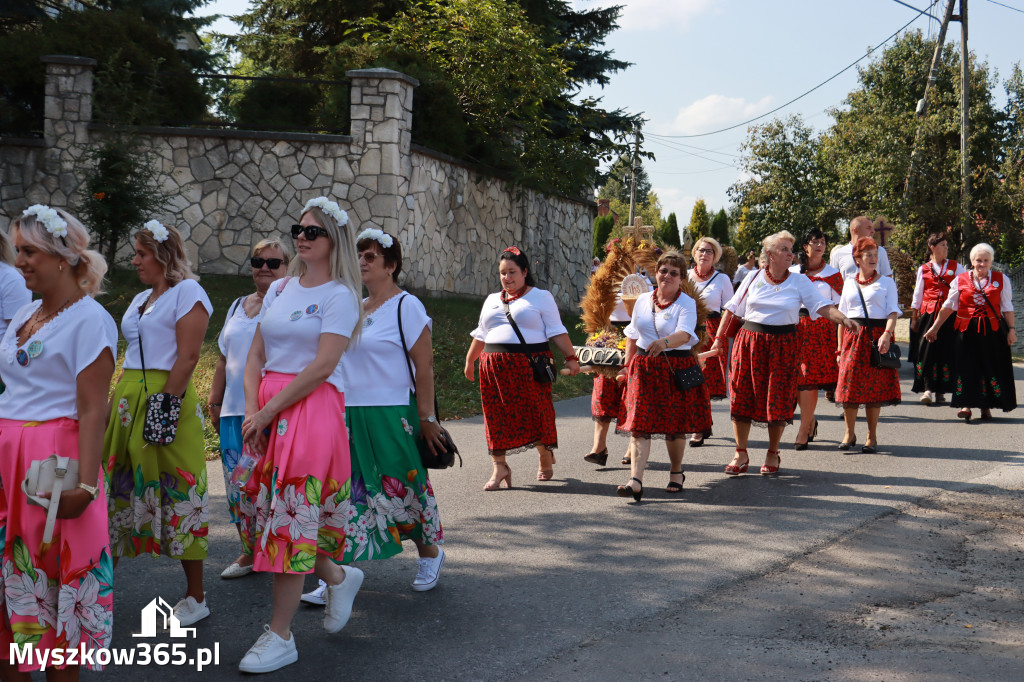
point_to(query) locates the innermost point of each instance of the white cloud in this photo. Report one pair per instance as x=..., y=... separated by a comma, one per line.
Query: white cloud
x=646, y=15
x=714, y=112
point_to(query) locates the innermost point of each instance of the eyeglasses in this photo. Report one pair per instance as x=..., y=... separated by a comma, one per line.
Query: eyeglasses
x=368, y=256
x=272, y=263
x=817, y=242
x=708, y=251
x=311, y=232
x=669, y=273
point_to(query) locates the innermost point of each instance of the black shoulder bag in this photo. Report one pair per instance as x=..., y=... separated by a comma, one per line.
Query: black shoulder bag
x=891, y=358
x=162, y=409
x=682, y=379
x=543, y=366
x=446, y=457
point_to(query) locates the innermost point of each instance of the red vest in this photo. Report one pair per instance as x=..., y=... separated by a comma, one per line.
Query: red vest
x=936, y=287
x=969, y=310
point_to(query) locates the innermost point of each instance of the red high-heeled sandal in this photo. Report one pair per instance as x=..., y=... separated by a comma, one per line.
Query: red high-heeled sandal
x=736, y=470
x=771, y=470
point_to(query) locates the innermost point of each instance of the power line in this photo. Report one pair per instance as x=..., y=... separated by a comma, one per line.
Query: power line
x=685, y=151
x=690, y=146
x=828, y=80
x=1015, y=9
x=925, y=10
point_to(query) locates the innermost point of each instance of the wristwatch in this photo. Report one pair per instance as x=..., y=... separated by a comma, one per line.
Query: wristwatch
x=93, y=490
x=431, y=419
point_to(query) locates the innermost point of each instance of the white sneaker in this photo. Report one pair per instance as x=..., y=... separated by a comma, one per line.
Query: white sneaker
x=235, y=571
x=926, y=398
x=428, y=572
x=189, y=611
x=269, y=653
x=316, y=597
x=339, y=599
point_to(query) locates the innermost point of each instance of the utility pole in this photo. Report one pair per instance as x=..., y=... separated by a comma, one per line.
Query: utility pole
x=635, y=169
x=965, y=127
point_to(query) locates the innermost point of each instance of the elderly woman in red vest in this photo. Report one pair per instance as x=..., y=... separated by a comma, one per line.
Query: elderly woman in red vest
x=982, y=366
x=932, y=362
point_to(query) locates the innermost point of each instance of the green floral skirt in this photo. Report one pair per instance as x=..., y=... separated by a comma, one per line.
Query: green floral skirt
x=392, y=499
x=157, y=494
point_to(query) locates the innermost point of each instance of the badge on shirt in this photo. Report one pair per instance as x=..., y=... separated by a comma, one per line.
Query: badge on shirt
x=667, y=316
x=22, y=358
x=295, y=315
x=995, y=284
x=312, y=309
x=35, y=349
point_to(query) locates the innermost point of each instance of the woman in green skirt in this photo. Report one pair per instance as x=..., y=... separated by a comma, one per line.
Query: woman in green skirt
x=387, y=413
x=158, y=497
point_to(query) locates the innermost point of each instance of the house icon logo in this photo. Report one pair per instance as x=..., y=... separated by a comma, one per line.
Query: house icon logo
x=158, y=615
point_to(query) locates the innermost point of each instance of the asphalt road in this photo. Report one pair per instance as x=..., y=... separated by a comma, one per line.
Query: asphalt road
x=735, y=579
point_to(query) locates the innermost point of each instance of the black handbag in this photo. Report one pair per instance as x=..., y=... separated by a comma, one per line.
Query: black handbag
x=891, y=358
x=446, y=457
x=543, y=367
x=682, y=379
x=162, y=409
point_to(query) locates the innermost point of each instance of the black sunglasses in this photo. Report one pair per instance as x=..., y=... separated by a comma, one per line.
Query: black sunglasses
x=272, y=263
x=311, y=232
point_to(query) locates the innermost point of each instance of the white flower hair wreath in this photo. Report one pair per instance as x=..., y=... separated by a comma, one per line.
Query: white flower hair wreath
x=329, y=207
x=50, y=219
x=160, y=233
x=379, y=236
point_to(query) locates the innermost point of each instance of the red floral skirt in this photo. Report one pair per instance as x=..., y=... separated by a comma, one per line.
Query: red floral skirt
x=714, y=367
x=859, y=383
x=606, y=399
x=518, y=412
x=762, y=377
x=655, y=407
x=816, y=366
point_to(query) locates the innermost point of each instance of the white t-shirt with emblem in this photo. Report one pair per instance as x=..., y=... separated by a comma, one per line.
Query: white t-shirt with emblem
x=234, y=342
x=880, y=297
x=374, y=367
x=158, y=324
x=46, y=387
x=764, y=302
x=294, y=319
x=648, y=325
x=13, y=294
x=715, y=292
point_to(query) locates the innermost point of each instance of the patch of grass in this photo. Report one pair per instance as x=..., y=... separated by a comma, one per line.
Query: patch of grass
x=454, y=318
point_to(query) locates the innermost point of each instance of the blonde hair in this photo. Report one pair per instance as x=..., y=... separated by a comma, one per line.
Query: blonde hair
x=6, y=249
x=716, y=247
x=87, y=266
x=271, y=243
x=170, y=253
x=771, y=241
x=344, y=262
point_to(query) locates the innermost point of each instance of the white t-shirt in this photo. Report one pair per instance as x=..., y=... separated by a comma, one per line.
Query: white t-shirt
x=880, y=296
x=715, y=292
x=535, y=313
x=764, y=302
x=918, y=297
x=234, y=342
x=824, y=288
x=159, y=324
x=13, y=294
x=647, y=327
x=46, y=387
x=742, y=272
x=842, y=260
x=294, y=319
x=374, y=368
x=1005, y=296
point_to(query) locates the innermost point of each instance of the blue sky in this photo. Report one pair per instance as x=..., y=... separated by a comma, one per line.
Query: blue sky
x=703, y=65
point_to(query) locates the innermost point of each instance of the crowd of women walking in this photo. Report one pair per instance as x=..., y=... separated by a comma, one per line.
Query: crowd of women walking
x=324, y=400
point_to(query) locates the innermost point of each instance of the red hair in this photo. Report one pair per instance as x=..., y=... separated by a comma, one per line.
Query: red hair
x=863, y=244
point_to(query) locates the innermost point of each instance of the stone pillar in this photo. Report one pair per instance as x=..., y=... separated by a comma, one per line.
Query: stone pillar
x=381, y=114
x=68, y=112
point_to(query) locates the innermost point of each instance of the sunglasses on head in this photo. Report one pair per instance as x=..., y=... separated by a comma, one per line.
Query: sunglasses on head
x=311, y=232
x=272, y=263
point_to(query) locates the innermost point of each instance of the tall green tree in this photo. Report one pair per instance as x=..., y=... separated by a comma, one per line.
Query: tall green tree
x=720, y=227
x=669, y=233
x=619, y=179
x=603, y=225
x=700, y=221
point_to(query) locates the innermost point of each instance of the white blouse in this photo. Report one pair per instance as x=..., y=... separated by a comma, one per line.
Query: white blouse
x=13, y=294
x=842, y=260
x=741, y=273
x=535, y=313
x=648, y=326
x=234, y=342
x=375, y=368
x=880, y=296
x=46, y=387
x=918, y=298
x=824, y=288
x=764, y=302
x=715, y=292
x=158, y=324
x=294, y=319
x=1005, y=297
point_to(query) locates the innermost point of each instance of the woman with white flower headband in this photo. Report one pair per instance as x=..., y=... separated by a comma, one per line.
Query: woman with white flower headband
x=57, y=359
x=13, y=292
x=295, y=423
x=386, y=413
x=159, y=499
x=269, y=261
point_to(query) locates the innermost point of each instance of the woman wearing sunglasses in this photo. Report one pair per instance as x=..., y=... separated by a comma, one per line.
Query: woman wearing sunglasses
x=715, y=290
x=295, y=422
x=269, y=261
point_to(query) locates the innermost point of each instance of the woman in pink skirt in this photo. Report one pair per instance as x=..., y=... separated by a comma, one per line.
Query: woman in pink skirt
x=295, y=419
x=57, y=361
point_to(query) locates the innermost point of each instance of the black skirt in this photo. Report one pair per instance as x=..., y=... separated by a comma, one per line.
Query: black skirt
x=932, y=362
x=982, y=368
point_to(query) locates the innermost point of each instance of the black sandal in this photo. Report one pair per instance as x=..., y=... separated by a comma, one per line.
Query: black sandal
x=626, y=460
x=627, y=490
x=598, y=458
x=674, y=487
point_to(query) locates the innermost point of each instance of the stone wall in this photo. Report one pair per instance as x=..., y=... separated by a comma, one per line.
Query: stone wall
x=228, y=189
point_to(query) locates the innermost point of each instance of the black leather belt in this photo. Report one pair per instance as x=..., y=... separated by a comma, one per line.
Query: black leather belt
x=714, y=315
x=667, y=353
x=524, y=348
x=804, y=312
x=776, y=329
x=870, y=322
